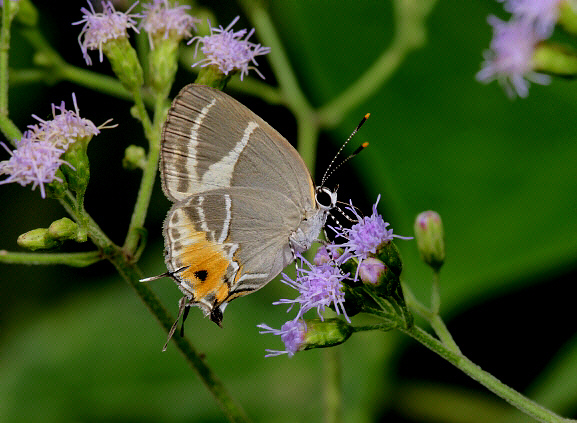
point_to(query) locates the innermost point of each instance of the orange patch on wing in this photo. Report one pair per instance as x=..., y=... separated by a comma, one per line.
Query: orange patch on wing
x=207, y=266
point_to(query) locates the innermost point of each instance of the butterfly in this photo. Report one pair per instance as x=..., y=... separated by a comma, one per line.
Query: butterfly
x=245, y=203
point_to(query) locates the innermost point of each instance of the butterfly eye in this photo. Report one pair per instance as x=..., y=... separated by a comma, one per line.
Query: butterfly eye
x=325, y=198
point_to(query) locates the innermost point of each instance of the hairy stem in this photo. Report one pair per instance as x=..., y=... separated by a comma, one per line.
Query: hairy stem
x=486, y=379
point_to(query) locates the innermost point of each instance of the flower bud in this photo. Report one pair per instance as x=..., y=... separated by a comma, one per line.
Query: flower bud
x=430, y=238
x=327, y=333
x=568, y=16
x=124, y=62
x=134, y=158
x=212, y=76
x=37, y=239
x=555, y=59
x=78, y=174
x=163, y=63
x=63, y=229
x=372, y=270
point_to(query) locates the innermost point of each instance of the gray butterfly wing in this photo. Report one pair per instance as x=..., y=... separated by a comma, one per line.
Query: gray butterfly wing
x=211, y=141
x=214, y=257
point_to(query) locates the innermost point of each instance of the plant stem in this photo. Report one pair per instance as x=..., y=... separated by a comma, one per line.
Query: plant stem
x=132, y=274
x=434, y=320
x=486, y=379
x=68, y=259
x=4, y=49
x=435, y=294
x=294, y=97
x=332, y=384
x=152, y=132
x=10, y=131
x=102, y=84
x=409, y=35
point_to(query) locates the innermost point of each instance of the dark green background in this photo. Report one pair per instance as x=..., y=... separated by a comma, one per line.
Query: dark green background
x=78, y=345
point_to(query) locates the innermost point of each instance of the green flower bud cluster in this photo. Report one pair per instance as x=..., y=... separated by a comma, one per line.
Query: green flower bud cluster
x=51, y=237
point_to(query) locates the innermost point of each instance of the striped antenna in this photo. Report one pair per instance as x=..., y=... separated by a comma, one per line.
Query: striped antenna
x=330, y=168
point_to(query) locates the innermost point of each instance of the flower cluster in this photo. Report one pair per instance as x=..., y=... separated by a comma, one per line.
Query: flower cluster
x=510, y=57
x=229, y=50
x=320, y=285
x=365, y=236
x=38, y=154
x=159, y=19
x=541, y=15
x=292, y=334
x=33, y=161
x=66, y=126
x=100, y=28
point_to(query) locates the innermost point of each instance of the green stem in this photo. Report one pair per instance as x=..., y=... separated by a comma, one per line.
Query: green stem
x=254, y=87
x=307, y=137
x=278, y=58
x=68, y=259
x=332, y=385
x=294, y=98
x=102, y=84
x=443, y=333
x=9, y=129
x=381, y=326
x=83, y=219
x=434, y=320
x=435, y=294
x=132, y=274
x=513, y=397
x=19, y=77
x=152, y=132
x=4, y=56
x=409, y=35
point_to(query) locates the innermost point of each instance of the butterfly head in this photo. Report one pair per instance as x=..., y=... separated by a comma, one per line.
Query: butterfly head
x=325, y=198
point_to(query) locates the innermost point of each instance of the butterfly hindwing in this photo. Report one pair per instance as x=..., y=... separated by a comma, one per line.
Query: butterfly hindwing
x=215, y=257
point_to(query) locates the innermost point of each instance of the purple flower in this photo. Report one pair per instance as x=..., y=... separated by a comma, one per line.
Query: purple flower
x=33, y=161
x=292, y=334
x=318, y=288
x=542, y=15
x=37, y=155
x=99, y=28
x=228, y=50
x=365, y=236
x=160, y=19
x=66, y=127
x=510, y=59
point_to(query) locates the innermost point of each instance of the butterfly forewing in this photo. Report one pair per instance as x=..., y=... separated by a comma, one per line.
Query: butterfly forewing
x=212, y=141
